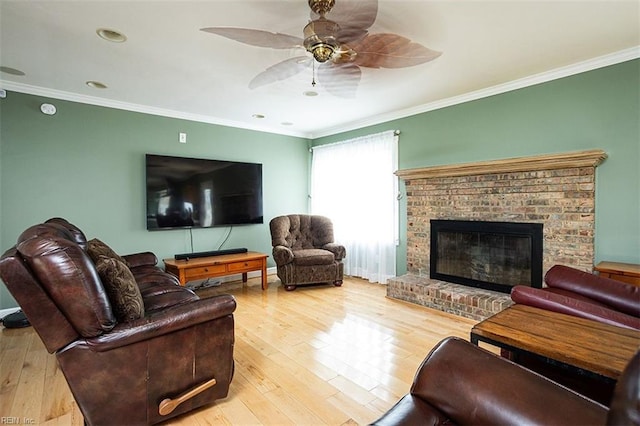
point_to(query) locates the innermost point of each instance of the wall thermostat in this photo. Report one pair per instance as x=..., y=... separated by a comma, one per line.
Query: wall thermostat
x=48, y=109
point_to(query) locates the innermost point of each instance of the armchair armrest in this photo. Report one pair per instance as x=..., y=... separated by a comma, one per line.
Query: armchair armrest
x=141, y=259
x=473, y=386
x=282, y=255
x=338, y=250
x=163, y=322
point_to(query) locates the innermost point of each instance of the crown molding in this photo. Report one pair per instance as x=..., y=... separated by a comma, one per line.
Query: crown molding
x=555, y=74
x=145, y=109
x=584, y=66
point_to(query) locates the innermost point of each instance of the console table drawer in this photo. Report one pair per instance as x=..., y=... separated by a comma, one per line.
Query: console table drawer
x=199, y=268
x=204, y=271
x=247, y=264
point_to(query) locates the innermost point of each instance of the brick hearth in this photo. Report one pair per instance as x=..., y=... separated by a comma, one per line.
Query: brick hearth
x=555, y=190
x=464, y=301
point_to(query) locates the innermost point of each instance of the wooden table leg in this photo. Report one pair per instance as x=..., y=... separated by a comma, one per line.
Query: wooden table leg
x=264, y=275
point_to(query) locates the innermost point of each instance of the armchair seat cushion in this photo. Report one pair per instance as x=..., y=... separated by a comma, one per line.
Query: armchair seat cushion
x=310, y=257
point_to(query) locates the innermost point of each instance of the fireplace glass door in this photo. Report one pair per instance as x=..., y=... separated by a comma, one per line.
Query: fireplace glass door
x=491, y=255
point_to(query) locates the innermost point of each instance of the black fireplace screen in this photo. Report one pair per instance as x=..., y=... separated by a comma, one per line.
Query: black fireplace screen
x=491, y=255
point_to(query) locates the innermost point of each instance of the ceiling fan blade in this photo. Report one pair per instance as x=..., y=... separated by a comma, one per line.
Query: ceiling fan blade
x=340, y=79
x=353, y=17
x=280, y=71
x=256, y=37
x=391, y=51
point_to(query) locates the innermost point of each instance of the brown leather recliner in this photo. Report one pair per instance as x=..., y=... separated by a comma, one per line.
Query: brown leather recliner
x=304, y=250
x=460, y=383
x=174, y=358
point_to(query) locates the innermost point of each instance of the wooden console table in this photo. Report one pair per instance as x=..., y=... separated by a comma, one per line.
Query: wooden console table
x=218, y=266
x=588, y=345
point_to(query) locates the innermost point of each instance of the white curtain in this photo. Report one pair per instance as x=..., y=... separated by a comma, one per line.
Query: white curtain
x=353, y=183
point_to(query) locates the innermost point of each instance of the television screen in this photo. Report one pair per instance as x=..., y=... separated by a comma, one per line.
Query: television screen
x=201, y=193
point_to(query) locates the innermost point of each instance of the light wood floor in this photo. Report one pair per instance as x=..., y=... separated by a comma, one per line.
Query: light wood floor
x=318, y=355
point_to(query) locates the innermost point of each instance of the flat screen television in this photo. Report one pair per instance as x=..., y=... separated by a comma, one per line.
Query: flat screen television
x=201, y=193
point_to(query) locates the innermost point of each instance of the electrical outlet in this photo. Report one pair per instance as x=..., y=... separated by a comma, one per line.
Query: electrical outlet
x=183, y=138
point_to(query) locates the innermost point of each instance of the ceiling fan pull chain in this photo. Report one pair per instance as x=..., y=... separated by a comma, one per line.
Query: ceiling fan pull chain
x=313, y=73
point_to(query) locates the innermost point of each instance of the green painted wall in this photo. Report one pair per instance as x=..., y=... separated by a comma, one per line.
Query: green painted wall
x=593, y=110
x=86, y=163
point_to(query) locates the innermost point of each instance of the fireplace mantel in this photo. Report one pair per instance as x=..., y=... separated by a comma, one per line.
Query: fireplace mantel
x=590, y=158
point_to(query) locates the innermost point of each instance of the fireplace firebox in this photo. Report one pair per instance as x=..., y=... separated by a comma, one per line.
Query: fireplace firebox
x=491, y=255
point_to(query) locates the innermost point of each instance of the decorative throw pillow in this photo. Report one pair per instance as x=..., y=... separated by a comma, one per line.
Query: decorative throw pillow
x=96, y=248
x=122, y=289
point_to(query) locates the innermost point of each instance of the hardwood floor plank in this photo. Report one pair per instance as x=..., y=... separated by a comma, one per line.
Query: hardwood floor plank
x=320, y=355
x=30, y=388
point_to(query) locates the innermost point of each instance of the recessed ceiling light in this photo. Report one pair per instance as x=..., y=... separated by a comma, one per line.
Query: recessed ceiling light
x=96, y=84
x=287, y=123
x=11, y=71
x=258, y=116
x=310, y=93
x=111, y=35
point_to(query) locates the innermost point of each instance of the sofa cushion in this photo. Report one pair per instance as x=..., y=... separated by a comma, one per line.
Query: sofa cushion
x=159, y=294
x=97, y=248
x=122, y=289
x=310, y=257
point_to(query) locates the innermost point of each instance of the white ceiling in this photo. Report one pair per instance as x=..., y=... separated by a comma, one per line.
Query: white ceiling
x=169, y=67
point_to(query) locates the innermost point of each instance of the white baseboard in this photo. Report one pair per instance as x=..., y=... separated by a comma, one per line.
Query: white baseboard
x=8, y=311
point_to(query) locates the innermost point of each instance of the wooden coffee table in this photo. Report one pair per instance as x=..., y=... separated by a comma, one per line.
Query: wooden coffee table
x=218, y=266
x=600, y=349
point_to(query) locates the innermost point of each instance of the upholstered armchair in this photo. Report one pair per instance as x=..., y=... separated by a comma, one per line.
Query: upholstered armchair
x=304, y=250
x=135, y=347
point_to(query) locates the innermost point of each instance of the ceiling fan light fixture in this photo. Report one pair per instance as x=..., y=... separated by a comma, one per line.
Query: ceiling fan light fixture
x=320, y=40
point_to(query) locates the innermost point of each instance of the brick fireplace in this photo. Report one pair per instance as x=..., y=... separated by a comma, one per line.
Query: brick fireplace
x=557, y=191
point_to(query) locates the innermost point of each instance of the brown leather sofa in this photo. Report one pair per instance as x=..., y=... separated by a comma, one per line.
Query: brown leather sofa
x=578, y=293
x=133, y=371
x=460, y=383
x=304, y=250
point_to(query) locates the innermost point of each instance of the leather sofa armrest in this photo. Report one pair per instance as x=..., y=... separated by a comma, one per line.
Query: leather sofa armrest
x=141, y=259
x=618, y=295
x=411, y=411
x=282, y=255
x=470, y=385
x=163, y=322
x=550, y=301
x=338, y=250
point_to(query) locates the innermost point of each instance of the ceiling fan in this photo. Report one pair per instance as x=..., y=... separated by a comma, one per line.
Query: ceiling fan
x=340, y=46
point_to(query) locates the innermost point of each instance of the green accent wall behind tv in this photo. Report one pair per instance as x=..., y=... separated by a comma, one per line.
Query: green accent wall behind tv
x=86, y=163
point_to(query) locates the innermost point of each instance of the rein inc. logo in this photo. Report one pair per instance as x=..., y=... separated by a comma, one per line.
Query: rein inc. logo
x=6, y=420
